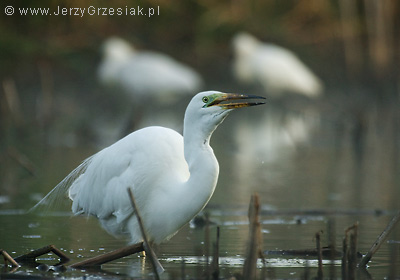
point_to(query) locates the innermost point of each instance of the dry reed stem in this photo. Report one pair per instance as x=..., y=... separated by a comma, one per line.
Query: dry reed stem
x=381, y=238
x=345, y=267
x=254, y=244
x=8, y=258
x=157, y=267
x=31, y=256
x=126, y=251
x=353, y=247
x=215, y=262
x=319, y=254
x=110, y=256
x=349, y=258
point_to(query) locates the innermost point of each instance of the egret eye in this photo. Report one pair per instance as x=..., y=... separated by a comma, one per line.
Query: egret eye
x=205, y=99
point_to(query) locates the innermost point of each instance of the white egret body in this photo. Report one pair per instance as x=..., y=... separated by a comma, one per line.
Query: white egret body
x=145, y=73
x=172, y=177
x=276, y=69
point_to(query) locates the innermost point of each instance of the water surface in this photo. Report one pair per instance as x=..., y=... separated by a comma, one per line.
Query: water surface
x=310, y=168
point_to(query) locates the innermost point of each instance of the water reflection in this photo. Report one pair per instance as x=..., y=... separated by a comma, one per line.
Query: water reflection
x=331, y=154
x=319, y=156
x=82, y=238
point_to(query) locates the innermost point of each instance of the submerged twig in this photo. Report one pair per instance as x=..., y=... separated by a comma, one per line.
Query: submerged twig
x=381, y=238
x=319, y=254
x=215, y=262
x=350, y=254
x=345, y=264
x=31, y=256
x=8, y=258
x=149, y=250
x=126, y=251
x=332, y=245
x=110, y=256
x=353, y=247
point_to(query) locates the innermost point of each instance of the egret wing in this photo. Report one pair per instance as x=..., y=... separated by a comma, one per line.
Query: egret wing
x=52, y=201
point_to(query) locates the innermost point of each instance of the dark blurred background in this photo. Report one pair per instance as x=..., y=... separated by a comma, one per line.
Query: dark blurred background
x=50, y=94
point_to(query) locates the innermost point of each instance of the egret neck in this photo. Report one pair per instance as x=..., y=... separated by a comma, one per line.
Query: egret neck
x=202, y=163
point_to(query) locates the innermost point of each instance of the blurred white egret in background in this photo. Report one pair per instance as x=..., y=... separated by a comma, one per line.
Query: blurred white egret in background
x=145, y=73
x=172, y=177
x=276, y=69
x=150, y=80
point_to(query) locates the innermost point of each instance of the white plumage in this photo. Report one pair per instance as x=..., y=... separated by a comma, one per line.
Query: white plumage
x=172, y=177
x=102, y=190
x=276, y=69
x=142, y=73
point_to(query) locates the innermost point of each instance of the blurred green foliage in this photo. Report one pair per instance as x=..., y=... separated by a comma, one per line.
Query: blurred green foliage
x=199, y=32
x=48, y=64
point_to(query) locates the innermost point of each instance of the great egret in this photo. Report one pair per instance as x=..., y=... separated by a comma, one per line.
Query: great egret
x=145, y=73
x=172, y=177
x=145, y=77
x=276, y=69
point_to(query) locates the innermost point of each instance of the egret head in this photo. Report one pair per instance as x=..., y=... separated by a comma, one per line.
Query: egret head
x=244, y=44
x=117, y=49
x=208, y=109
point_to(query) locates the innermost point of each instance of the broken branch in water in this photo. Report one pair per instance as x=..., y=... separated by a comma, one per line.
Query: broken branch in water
x=254, y=250
x=381, y=238
x=126, y=251
x=157, y=267
x=215, y=262
x=110, y=256
x=319, y=254
x=31, y=256
x=8, y=258
x=350, y=254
